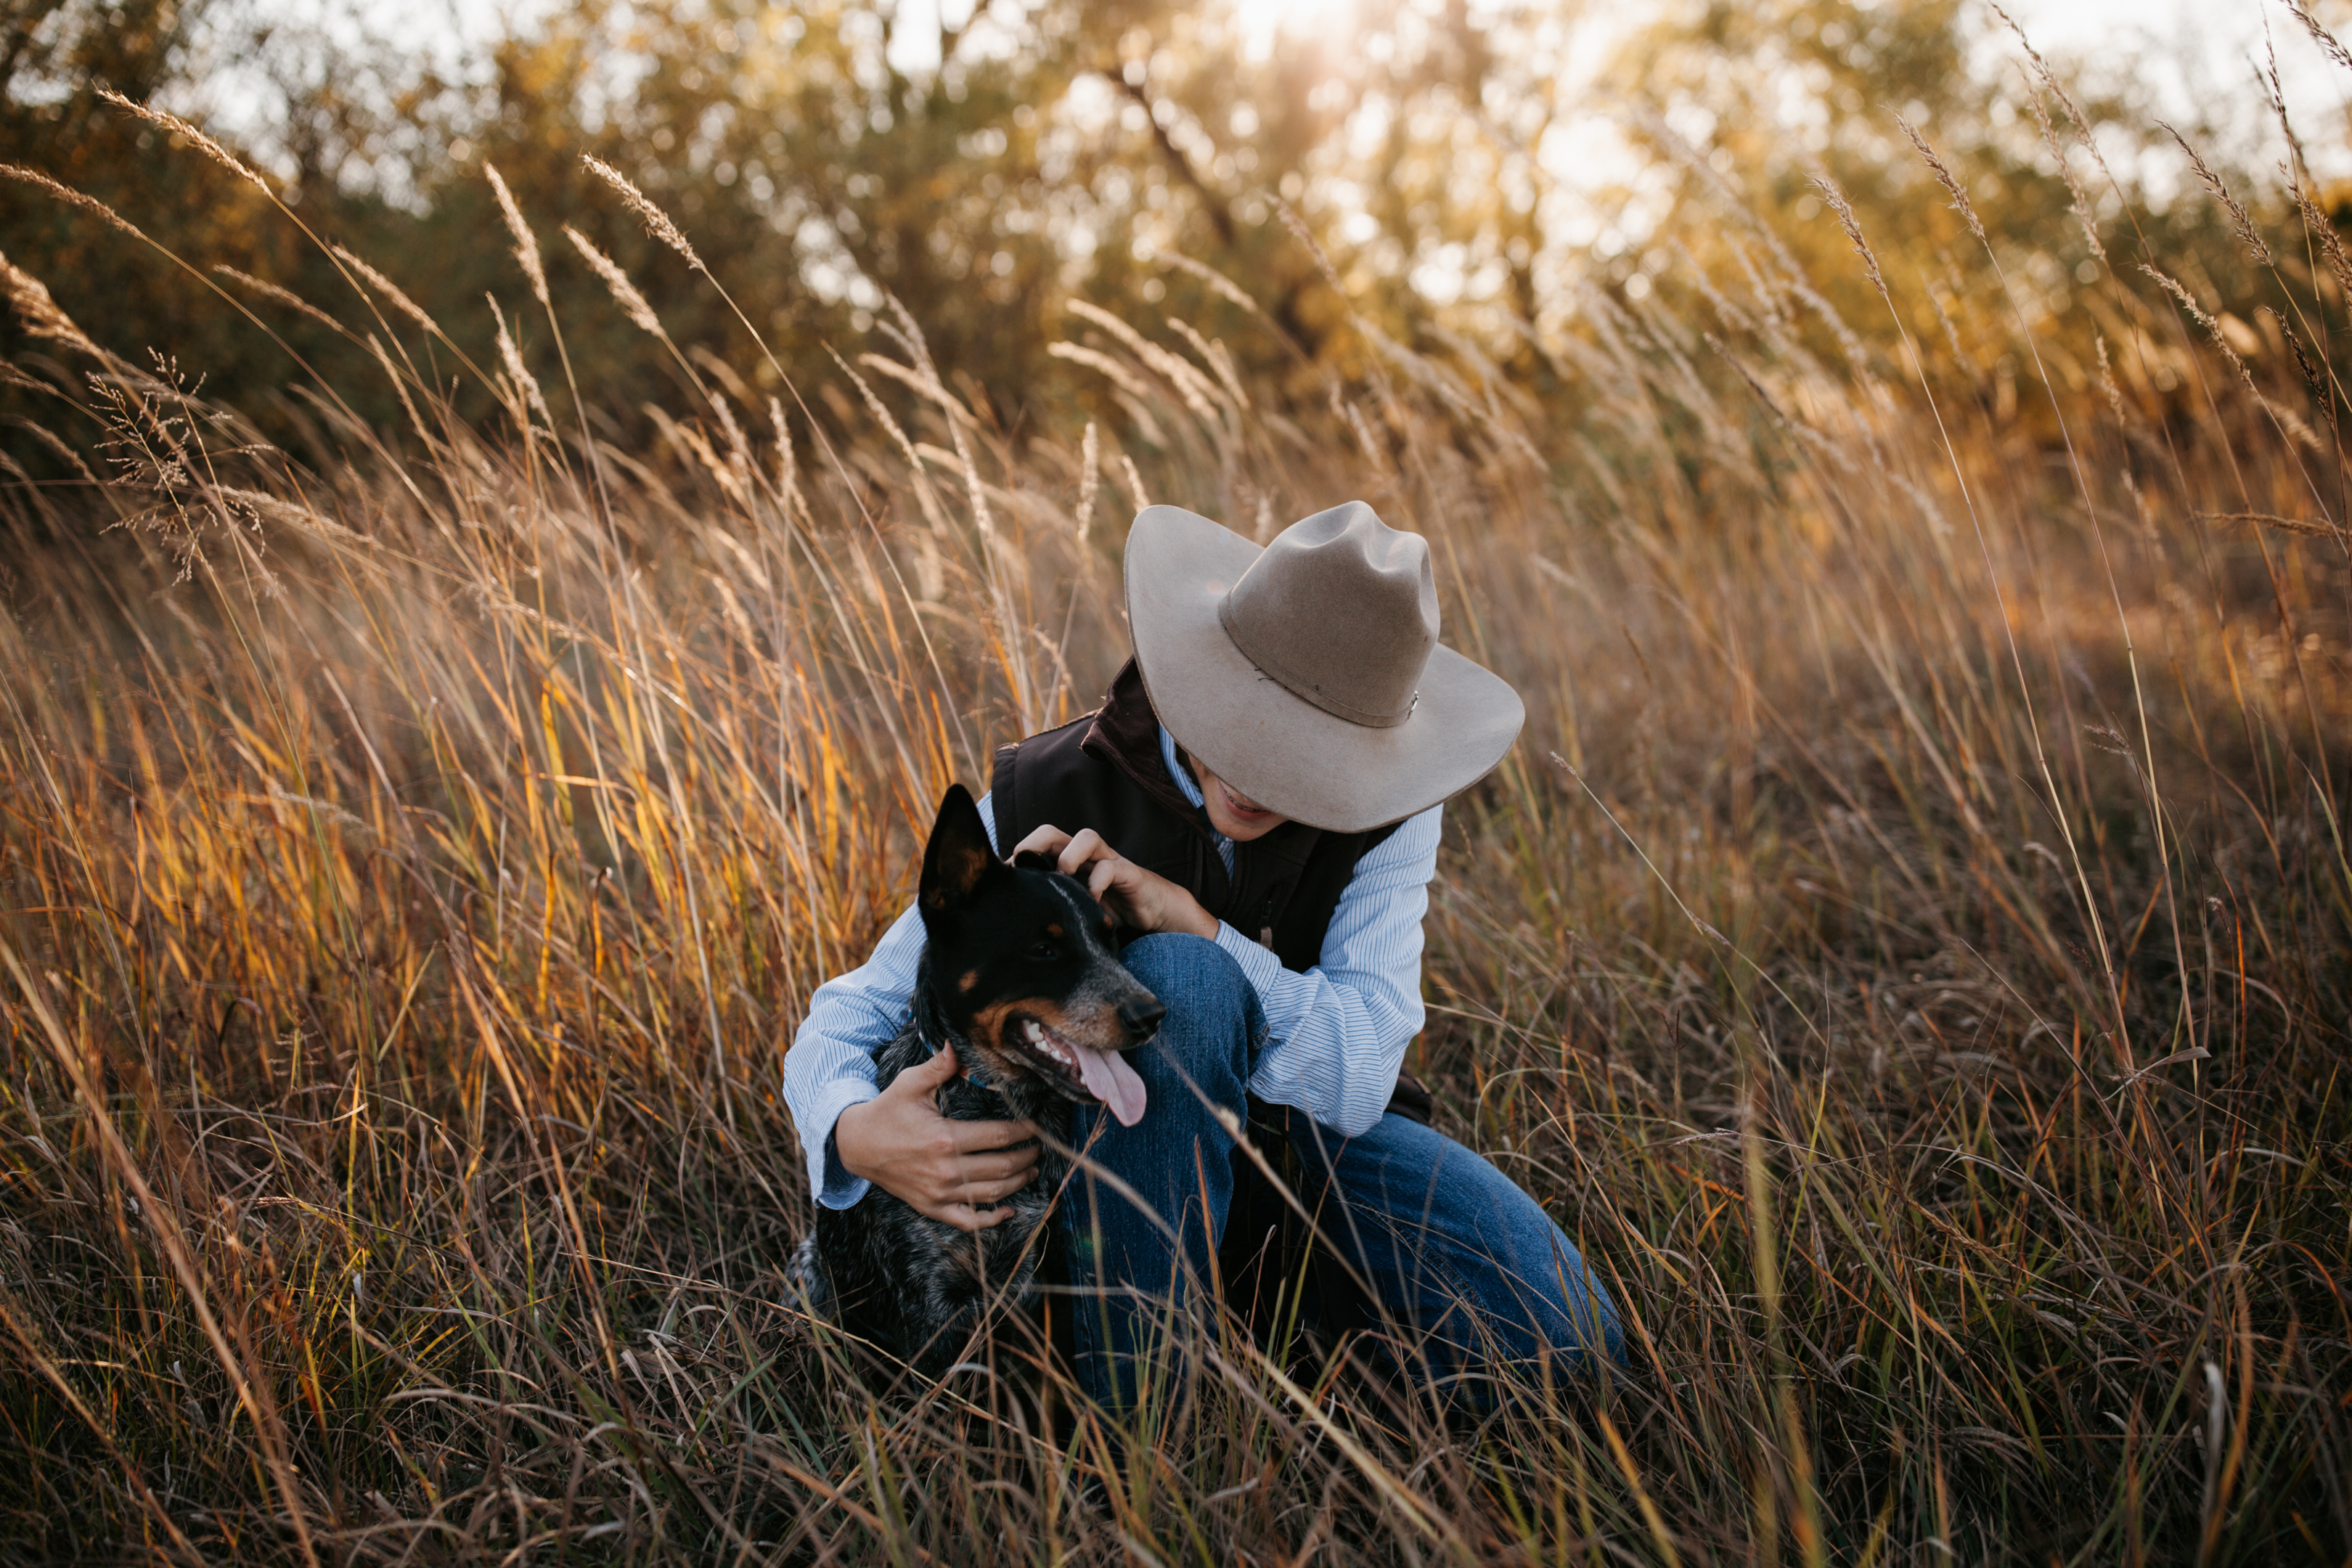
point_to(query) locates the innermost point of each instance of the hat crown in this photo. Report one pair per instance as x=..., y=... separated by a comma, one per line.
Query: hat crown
x=1342, y=610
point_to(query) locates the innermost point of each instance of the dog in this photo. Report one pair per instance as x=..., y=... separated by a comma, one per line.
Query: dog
x=1020, y=973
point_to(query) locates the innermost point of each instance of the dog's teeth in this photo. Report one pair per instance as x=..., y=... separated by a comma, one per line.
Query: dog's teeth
x=1042, y=1038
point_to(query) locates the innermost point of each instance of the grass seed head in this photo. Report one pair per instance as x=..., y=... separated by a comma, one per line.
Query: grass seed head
x=658, y=222
x=1218, y=283
x=2328, y=43
x=624, y=293
x=181, y=127
x=2203, y=318
x=525, y=244
x=1950, y=182
x=2108, y=387
x=67, y=194
x=788, y=468
x=1845, y=210
x=285, y=297
x=511, y=357
x=41, y=314
x=2239, y=221
x=909, y=333
x=1090, y=477
x=391, y=292
x=2322, y=233
x=2083, y=213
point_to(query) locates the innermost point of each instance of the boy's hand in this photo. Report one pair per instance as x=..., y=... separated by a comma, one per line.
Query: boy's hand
x=1138, y=899
x=953, y=1171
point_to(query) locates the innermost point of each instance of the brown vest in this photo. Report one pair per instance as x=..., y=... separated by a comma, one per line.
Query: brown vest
x=1104, y=772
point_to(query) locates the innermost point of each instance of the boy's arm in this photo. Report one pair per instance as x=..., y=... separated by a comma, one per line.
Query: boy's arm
x=830, y=1067
x=1338, y=1033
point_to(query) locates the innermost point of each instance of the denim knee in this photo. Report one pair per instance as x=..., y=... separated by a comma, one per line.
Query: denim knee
x=1214, y=1026
x=1440, y=1226
x=1184, y=969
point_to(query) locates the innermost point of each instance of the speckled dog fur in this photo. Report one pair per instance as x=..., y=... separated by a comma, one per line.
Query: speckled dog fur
x=914, y=1287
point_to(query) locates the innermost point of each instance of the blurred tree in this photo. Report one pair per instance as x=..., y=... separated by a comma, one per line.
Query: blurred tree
x=52, y=55
x=819, y=154
x=1749, y=102
x=980, y=160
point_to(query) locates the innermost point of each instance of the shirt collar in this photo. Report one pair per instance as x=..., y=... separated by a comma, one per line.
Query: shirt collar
x=1178, y=771
x=1182, y=776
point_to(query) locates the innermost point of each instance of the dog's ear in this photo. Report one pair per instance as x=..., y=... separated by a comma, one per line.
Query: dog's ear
x=959, y=854
x=1036, y=860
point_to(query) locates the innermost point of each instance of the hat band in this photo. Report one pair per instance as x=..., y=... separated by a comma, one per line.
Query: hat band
x=1303, y=689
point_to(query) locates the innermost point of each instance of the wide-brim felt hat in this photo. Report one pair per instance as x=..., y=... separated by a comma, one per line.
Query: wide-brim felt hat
x=1307, y=674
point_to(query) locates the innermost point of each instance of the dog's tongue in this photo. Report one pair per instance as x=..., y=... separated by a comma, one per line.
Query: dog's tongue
x=1113, y=1081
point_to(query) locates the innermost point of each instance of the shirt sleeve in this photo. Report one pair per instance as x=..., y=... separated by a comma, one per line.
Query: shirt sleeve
x=1337, y=1034
x=830, y=1067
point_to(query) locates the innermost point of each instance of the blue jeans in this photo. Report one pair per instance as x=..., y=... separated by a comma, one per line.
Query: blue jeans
x=1466, y=1270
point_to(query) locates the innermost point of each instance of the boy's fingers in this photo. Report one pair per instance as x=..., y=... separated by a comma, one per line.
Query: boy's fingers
x=989, y=1192
x=995, y=1167
x=929, y=1074
x=1045, y=839
x=1088, y=846
x=972, y=1137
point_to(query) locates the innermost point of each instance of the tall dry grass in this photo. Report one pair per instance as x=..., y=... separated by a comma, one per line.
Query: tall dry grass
x=1908, y=950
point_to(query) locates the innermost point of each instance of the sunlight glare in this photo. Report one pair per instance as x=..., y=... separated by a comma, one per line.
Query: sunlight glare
x=1266, y=23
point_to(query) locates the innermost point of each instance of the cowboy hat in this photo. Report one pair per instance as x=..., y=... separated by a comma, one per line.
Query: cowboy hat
x=1307, y=674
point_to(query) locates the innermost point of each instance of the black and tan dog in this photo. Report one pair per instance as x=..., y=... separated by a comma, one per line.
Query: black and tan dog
x=1021, y=974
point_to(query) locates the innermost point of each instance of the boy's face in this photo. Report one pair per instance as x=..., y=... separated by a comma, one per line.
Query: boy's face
x=1232, y=812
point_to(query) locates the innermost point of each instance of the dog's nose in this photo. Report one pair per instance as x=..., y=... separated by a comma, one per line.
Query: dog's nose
x=1142, y=1016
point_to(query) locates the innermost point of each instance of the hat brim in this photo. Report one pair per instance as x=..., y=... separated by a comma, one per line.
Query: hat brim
x=1283, y=753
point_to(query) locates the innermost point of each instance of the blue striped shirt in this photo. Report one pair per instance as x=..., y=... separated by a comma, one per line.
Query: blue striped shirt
x=1336, y=1034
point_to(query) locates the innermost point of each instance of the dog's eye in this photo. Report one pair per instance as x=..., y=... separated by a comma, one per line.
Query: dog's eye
x=1044, y=950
